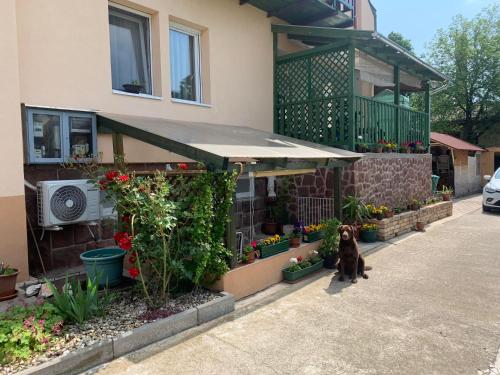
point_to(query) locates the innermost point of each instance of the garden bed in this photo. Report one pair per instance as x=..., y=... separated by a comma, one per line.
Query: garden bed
x=126, y=312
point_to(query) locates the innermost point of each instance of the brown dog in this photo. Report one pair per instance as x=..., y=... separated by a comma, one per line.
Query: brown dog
x=351, y=262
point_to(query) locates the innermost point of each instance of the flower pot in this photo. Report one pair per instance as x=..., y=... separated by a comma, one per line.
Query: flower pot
x=330, y=261
x=293, y=276
x=388, y=214
x=250, y=257
x=270, y=250
x=446, y=197
x=369, y=235
x=8, y=286
x=419, y=226
x=269, y=228
x=133, y=89
x=294, y=241
x=105, y=265
x=313, y=236
x=379, y=150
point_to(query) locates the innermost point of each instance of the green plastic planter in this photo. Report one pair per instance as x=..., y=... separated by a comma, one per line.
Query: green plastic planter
x=293, y=276
x=270, y=250
x=313, y=237
x=105, y=265
x=369, y=236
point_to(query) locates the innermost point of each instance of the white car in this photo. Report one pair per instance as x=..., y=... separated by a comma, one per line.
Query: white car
x=491, y=192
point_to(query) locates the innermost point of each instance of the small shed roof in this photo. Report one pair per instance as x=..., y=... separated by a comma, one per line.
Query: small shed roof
x=218, y=145
x=453, y=142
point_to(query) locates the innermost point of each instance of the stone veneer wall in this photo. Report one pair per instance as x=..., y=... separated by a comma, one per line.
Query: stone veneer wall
x=392, y=179
x=405, y=222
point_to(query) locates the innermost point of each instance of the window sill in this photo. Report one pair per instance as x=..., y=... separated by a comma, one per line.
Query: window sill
x=189, y=102
x=144, y=96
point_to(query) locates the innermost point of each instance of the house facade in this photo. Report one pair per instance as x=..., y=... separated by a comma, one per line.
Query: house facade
x=67, y=61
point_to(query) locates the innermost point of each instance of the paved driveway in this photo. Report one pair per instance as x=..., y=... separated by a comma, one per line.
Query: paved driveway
x=431, y=306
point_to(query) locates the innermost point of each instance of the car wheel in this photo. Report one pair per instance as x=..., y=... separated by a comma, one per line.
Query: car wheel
x=485, y=209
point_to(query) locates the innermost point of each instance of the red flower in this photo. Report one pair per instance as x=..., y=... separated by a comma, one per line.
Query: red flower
x=103, y=184
x=125, y=219
x=111, y=175
x=183, y=166
x=123, y=178
x=119, y=235
x=133, y=258
x=133, y=272
x=254, y=244
x=125, y=242
x=299, y=259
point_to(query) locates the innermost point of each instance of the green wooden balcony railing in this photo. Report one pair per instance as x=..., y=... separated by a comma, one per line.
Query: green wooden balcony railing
x=327, y=121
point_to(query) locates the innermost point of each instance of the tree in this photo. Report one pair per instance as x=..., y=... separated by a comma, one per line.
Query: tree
x=468, y=52
x=401, y=40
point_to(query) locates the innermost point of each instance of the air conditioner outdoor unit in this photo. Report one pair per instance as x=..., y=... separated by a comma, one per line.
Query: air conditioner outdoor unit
x=67, y=202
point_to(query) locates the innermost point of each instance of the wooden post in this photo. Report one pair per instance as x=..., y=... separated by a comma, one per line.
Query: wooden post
x=337, y=192
x=428, y=111
x=118, y=153
x=397, y=95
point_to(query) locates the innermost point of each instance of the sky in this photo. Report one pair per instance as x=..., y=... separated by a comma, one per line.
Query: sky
x=418, y=20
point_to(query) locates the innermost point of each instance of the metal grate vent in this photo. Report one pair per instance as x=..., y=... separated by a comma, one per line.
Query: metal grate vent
x=68, y=203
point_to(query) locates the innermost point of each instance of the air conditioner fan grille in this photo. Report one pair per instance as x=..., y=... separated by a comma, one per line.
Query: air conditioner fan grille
x=68, y=203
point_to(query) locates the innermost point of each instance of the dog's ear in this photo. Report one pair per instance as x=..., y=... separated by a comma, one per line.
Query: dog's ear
x=339, y=228
x=352, y=228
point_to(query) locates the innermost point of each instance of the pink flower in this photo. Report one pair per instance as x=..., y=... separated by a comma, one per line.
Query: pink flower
x=254, y=244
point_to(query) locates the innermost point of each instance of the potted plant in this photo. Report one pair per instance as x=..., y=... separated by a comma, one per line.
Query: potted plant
x=8, y=278
x=362, y=147
x=105, y=265
x=272, y=246
x=248, y=254
x=379, y=148
x=415, y=205
x=390, y=147
x=386, y=211
x=313, y=232
x=369, y=232
x=134, y=87
x=446, y=193
x=270, y=225
x=354, y=212
x=375, y=211
x=419, y=147
x=329, y=249
x=405, y=148
x=299, y=267
x=295, y=236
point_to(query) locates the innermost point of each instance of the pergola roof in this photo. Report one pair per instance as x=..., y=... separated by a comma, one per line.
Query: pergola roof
x=305, y=12
x=454, y=143
x=220, y=145
x=370, y=42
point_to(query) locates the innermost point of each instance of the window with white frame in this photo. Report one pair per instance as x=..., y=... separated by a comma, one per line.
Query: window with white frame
x=58, y=136
x=185, y=80
x=130, y=44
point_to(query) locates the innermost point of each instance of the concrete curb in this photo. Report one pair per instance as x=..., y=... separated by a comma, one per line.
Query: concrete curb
x=102, y=352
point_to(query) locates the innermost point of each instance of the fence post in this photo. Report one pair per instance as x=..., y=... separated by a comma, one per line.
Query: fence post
x=396, y=103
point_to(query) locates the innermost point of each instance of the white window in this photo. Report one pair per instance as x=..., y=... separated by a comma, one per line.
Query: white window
x=57, y=136
x=129, y=34
x=185, y=80
x=245, y=187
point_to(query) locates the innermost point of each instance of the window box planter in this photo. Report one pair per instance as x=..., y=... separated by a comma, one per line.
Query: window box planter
x=313, y=236
x=293, y=276
x=270, y=250
x=369, y=235
x=8, y=286
x=105, y=264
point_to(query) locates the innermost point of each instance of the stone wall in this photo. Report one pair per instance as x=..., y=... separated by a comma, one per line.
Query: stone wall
x=391, y=179
x=406, y=221
x=243, y=209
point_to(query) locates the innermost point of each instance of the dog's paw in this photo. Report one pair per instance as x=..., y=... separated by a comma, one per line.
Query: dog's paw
x=365, y=276
x=354, y=281
x=341, y=278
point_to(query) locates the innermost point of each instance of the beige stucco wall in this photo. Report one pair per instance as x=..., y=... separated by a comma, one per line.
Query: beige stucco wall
x=488, y=162
x=13, y=248
x=365, y=19
x=65, y=62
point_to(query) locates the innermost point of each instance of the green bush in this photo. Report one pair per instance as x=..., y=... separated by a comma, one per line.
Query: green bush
x=76, y=304
x=330, y=245
x=24, y=330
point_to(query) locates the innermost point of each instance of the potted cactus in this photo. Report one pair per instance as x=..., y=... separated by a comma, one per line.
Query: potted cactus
x=8, y=278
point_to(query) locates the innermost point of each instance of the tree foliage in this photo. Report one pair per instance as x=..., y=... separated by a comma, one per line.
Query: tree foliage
x=468, y=52
x=401, y=40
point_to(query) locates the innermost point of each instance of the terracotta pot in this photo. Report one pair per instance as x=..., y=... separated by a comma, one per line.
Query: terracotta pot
x=380, y=149
x=420, y=225
x=8, y=285
x=388, y=214
x=250, y=257
x=269, y=228
x=446, y=197
x=294, y=241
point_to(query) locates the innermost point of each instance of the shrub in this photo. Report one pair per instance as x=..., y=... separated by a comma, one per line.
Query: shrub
x=24, y=330
x=330, y=245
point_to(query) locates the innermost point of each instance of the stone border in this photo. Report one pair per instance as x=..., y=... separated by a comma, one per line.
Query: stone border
x=105, y=351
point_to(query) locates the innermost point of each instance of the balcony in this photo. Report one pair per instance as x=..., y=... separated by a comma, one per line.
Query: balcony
x=325, y=94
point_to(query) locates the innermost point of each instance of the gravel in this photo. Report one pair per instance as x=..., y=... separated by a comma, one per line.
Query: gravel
x=125, y=312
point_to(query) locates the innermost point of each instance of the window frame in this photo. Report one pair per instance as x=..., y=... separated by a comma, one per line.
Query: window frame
x=150, y=43
x=196, y=34
x=64, y=135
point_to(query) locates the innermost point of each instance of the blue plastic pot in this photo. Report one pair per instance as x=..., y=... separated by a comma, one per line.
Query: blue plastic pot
x=104, y=265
